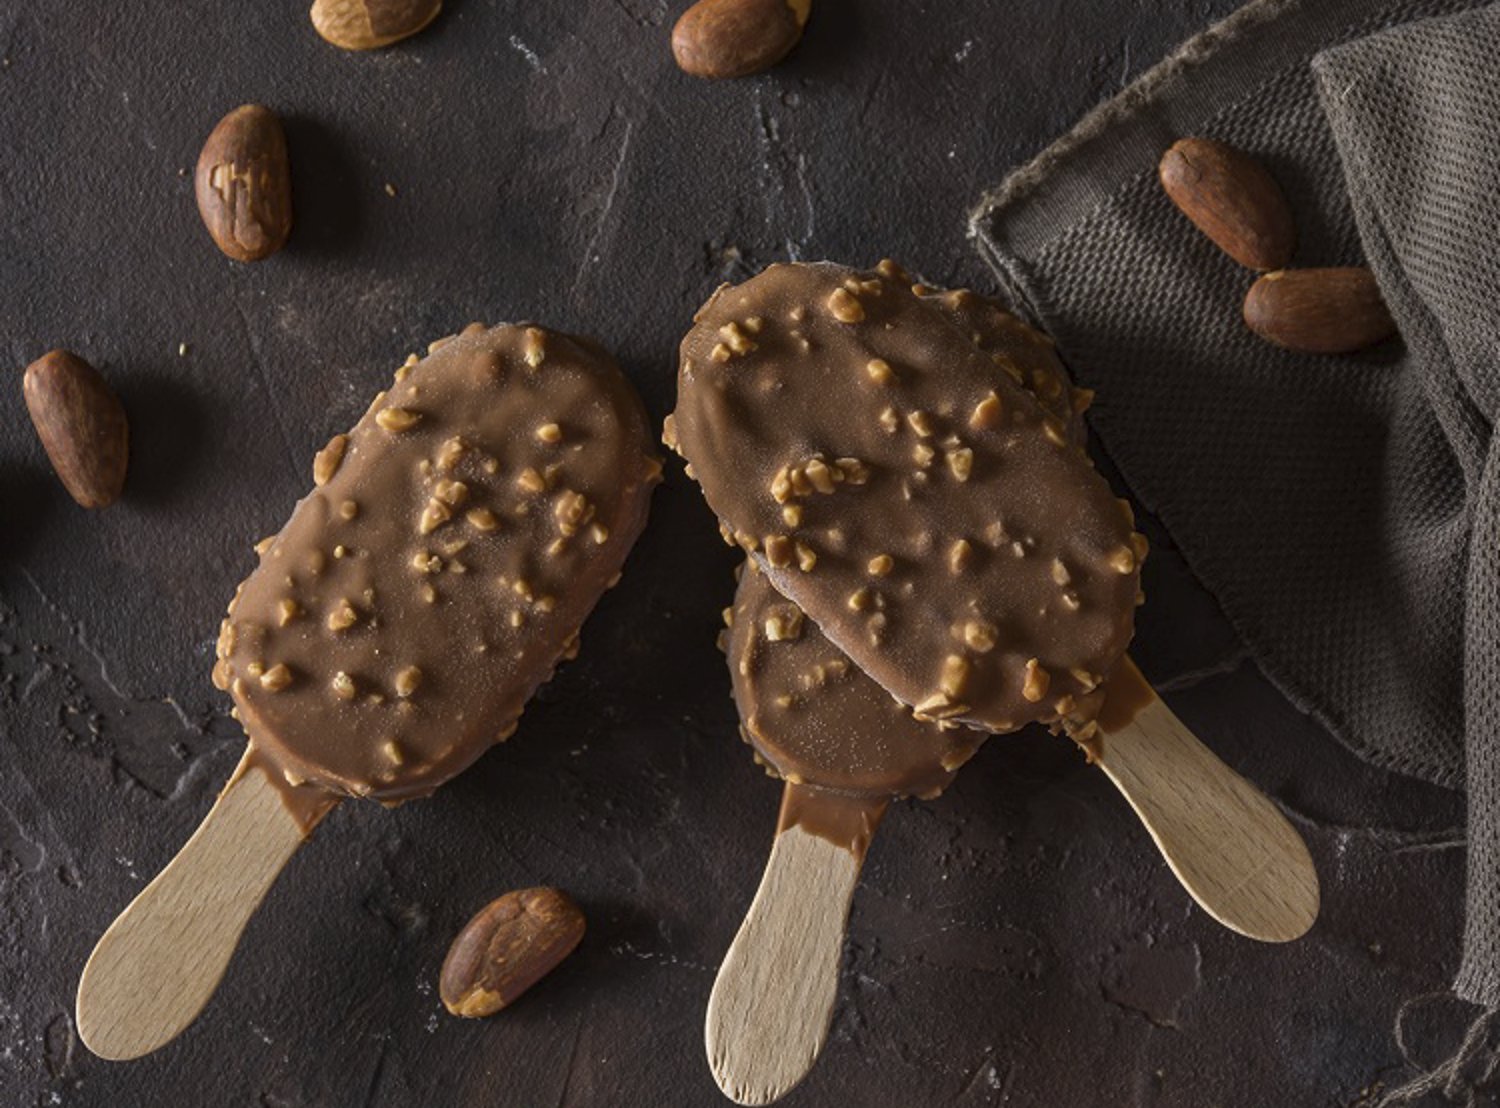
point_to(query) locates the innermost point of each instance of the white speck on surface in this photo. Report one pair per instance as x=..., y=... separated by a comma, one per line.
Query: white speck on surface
x=528, y=53
x=964, y=51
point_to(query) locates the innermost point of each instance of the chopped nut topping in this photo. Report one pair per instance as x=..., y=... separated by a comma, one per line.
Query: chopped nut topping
x=531, y=481
x=549, y=433
x=433, y=516
x=784, y=624
x=599, y=533
x=880, y=565
x=533, y=350
x=781, y=486
x=820, y=475
x=348, y=510
x=451, y=493
x=1087, y=681
x=736, y=338
x=424, y=562
x=1081, y=399
x=264, y=545
x=406, y=681
x=955, y=675
x=342, y=617
x=959, y=556
x=572, y=510
x=1064, y=704
x=428, y=593
x=1140, y=545
x=1037, y=679
x=392, y=751
x=720, y=352
x=980, y=636
x=545, y=603
x=961, y=463
x=326, y=462
x=779, y=550
x=806, y=557
x=287, y=610
x=859, y=600
x=1060, y=574
x=482, y=519
x=1045, y=384
x=938, y=706
x=1070, y=600
x=669, y=431
x=987, y=413
x=845, y=307
x=398, y=419
x=791, y=515
x=1121, y=560
x=923, y=454
x=517, y=618
x=880, y=371
x=920, y=422
x=855, y=471
x=276, y=678
x=1054, y=431
x=890, y=421
x=343, y=686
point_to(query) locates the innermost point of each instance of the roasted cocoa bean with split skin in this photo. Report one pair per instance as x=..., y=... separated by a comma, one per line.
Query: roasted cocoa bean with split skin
x=506, y=948
x=371, y=24
x=244, y=184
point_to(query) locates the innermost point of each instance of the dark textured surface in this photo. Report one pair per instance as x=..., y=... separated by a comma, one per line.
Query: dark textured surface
x=1016, y=942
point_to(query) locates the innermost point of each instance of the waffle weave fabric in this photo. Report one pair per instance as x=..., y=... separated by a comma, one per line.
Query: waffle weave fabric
x=1344, y=510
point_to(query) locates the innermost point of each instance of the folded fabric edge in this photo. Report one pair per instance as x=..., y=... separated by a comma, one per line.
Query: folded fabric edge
x=1099, y=124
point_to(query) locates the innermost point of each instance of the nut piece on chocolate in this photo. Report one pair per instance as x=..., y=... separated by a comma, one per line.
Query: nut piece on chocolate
x=442, y=565
x=243, y=184
x=718, y=39
x=813, y=717
x=81, y=424
x=510, y=945
x=1005, y=572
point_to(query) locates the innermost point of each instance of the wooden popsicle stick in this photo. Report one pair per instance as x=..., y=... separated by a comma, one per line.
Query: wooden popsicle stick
x=772, y=1002
x=1229, y=846
x=155, y=968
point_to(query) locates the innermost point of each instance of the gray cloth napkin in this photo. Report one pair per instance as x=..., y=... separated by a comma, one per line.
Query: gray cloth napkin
x=1344, y=510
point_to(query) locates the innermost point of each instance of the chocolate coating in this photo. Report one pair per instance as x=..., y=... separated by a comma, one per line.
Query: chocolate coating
x=456, y=540
x=815, y=718
x=944, y=531
x=1025, y=354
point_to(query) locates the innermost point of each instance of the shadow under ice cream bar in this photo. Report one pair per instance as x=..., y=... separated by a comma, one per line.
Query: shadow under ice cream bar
x=904, y=467
x=453, y=545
